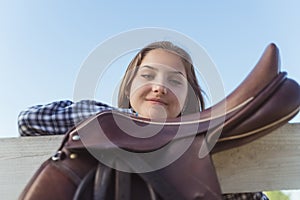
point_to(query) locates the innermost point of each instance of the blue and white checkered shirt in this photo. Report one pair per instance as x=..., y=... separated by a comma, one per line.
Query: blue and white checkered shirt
x=60, y=116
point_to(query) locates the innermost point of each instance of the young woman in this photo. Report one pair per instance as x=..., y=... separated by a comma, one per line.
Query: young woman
x=159, y=83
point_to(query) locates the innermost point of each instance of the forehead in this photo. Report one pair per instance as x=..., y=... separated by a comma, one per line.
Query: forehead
x=160, y=57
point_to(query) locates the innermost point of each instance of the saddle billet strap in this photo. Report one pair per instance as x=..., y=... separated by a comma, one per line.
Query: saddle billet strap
x=84, y=184
x=152, y=193
x=122, y=185
x=98, y=179
x=102, y=181
x=189, y=177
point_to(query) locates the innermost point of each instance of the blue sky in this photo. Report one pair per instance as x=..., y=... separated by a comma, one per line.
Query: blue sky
x=44, y=43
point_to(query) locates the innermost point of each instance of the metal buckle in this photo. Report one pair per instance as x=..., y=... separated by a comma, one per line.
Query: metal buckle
x=57, y=156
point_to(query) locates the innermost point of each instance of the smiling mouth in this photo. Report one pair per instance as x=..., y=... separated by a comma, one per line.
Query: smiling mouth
x=156, y=101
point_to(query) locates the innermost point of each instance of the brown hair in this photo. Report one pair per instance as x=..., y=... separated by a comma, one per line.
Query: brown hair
x=194, y=102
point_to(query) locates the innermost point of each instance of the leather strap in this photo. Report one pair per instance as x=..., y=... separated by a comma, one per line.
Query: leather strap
x=189, y=177
x=122, y=186
x=103, y=176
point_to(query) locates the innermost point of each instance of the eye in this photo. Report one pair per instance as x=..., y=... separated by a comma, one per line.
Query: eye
x=175, y=82
x=147, y=76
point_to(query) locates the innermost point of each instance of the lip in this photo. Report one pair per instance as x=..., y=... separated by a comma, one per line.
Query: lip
x=157, y=101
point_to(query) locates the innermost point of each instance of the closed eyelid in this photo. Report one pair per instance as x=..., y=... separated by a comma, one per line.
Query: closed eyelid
x=177, y=80
x=178, y=76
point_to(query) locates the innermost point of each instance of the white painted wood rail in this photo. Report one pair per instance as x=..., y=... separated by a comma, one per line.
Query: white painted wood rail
x=269, y=163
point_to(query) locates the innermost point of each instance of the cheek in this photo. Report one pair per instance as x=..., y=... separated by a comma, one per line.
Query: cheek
x=181, y=99
x=180, y=95
x=137, y=91
x=136, y=86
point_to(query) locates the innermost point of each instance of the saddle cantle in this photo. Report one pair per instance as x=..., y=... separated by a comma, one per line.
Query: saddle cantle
x=265, y=100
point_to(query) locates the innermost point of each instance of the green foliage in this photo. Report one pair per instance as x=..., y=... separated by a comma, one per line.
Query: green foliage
x=277, y=195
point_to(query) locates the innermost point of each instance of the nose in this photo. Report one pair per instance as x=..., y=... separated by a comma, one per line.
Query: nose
x=159, y=89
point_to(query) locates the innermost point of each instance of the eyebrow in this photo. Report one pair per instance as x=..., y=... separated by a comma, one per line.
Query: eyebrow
x=155, y=69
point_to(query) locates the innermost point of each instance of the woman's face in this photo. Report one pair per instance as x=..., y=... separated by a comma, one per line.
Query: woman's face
x=160, y=87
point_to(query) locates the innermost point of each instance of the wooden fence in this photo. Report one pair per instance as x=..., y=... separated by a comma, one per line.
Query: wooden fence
x=269, y=163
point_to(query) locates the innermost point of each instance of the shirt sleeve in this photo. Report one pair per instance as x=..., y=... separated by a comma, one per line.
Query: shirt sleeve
x=58, y=117
x=245, y=196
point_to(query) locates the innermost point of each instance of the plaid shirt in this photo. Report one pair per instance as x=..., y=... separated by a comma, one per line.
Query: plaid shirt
x=245, y=196
x=58, y=117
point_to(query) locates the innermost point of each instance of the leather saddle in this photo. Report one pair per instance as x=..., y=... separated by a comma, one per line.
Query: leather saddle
x=116, y=156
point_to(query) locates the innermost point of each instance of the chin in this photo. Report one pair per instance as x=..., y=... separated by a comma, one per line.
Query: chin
x=157, y=114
